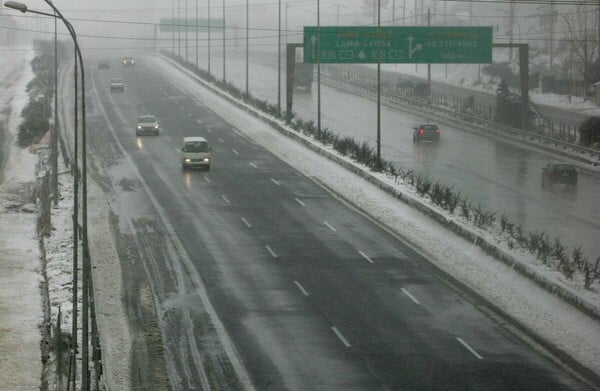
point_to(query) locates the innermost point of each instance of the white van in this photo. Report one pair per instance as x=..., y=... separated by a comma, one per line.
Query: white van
x=195, y=152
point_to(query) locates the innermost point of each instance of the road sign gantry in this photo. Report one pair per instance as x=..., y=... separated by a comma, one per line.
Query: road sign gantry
x=408, y=44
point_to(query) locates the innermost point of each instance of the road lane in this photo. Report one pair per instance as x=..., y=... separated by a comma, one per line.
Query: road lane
x=252, y=276
x=499, y=175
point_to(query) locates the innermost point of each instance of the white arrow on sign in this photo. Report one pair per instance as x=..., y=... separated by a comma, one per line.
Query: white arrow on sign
x=362, y=55
x=313, y=40
x=410, y=48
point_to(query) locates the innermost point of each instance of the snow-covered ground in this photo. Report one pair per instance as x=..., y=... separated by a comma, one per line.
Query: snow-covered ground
x=543, y=313
x=21, y=312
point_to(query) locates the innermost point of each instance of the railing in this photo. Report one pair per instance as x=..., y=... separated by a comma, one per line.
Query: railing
x=482, y=124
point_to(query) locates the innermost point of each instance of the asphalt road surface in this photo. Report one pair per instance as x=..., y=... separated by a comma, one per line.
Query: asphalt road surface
x=499, y=175
x=260, y=275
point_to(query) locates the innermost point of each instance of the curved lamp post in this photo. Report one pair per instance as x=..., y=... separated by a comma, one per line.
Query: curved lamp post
x=84, y=322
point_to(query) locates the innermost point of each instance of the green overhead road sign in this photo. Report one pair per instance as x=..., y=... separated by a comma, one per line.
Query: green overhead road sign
x=189, y=24
x=421, y=45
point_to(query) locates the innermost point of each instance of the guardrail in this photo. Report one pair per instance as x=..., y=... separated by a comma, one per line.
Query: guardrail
x=572, y=150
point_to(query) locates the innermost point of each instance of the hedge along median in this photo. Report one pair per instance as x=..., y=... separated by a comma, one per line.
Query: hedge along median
x=368, y=170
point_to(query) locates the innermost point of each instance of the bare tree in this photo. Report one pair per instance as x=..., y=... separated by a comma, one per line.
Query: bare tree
x=582, y=31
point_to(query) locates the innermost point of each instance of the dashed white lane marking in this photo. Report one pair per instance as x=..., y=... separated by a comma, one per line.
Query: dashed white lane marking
x=209, y=130
x=407, y=293
x=253, y=165
x=329, y=226
x=341, y=337
x=470, y=349
x=271, y=251
x=246, y=222
x=365, y=256
x=225, y=199
x=221, y=140
x=236, y=152
x=207, y=179
x=275, y=182
x=300, y=202
x=304, y=292
x=199, y=122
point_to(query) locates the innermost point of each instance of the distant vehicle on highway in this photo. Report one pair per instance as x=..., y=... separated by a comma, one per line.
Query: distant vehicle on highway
x=426, y=132
x=128, y=61
x=147, y=124
x=195, y=152
x=117, y=84
x=103, y=64
x=303, y=75
x=559, y=174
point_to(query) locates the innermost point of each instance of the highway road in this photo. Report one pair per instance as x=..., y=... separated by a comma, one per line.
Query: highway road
x=500, y=175
x=262, y=279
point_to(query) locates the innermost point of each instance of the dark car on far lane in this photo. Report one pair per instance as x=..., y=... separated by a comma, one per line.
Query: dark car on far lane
x=559, y=174
x=426, y=132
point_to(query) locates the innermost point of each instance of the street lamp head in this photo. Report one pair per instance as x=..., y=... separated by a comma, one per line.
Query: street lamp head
x=16, y=5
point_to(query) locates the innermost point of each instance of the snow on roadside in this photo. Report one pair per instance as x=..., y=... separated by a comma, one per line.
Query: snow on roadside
x=545, y=314
x=21, y=312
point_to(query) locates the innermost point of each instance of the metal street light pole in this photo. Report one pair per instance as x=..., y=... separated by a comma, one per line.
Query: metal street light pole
x=186, y=30
x=224, y=56
x=318, y=66
x=85, y=269
x=173, y=27
x=379, y=89
x=209, y=37
x=178, y=24
x=247, y=47
x=197, y=28
x=279, y=59
x=55, y=130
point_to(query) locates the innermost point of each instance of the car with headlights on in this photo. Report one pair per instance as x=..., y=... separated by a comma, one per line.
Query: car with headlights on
x=117, y=84
x=147, y=125
x=128, y=61
x=195, y=152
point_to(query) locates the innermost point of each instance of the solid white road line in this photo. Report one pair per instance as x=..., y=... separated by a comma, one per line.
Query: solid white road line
x=236, y=152
x=221, y=140
x=207, y=179
x=247, y=223
x=271, y=251
x=341, y=337
x=275, y=182
x=411, y=296
x=304, y=292
x=253, y=165
x=300, y=202
x=365, y=256
x=329, y=225
x=470, y=349
x=225, y=198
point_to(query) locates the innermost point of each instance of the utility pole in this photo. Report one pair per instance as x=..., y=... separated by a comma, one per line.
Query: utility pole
x=173, y=26
x=403, y=12
x=393, y=12
x=179, y=28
